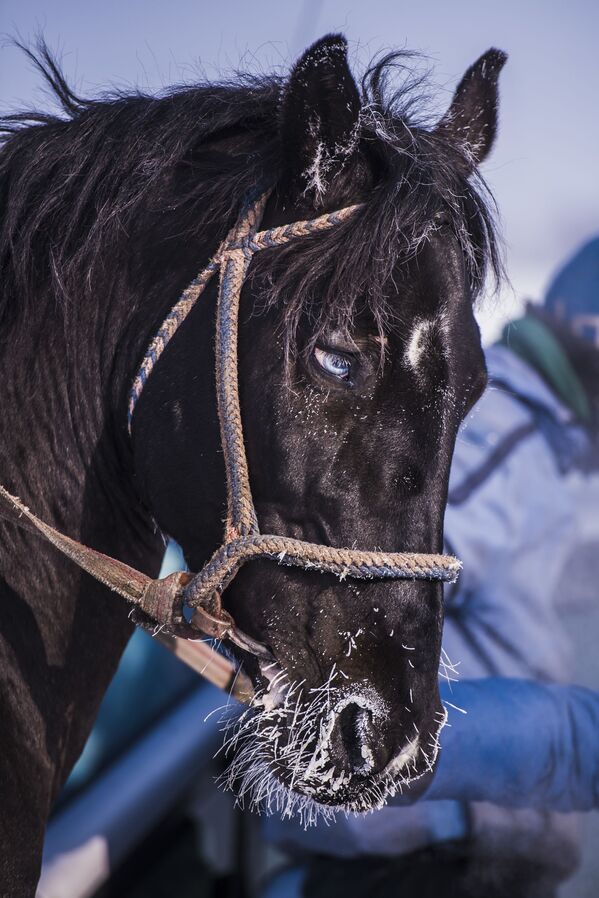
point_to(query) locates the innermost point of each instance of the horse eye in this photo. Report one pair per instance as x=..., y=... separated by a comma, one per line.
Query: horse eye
x=334, y=364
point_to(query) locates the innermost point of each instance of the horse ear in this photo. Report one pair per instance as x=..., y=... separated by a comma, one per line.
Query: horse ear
x=471, y=120
x=320, y=113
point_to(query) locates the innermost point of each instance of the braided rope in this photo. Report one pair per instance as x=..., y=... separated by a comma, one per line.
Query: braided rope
x=168, y=329
x=241, y=514
x=357, y=564
x=162, y=601
x=243, y=237
x=284, y=233
x=243, y=540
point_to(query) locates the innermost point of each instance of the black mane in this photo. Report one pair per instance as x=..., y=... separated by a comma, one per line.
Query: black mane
x=75, y=187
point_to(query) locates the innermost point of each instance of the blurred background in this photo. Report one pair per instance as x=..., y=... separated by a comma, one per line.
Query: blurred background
x=543, y=174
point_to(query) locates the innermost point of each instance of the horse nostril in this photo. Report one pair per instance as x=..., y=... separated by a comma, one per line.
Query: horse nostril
x=356, y=745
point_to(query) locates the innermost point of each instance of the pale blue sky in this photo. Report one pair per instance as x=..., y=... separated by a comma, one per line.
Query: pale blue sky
x=544, y=168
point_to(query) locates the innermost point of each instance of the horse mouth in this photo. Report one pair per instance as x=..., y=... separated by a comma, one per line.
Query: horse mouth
x=357, y=792
x=311, y=756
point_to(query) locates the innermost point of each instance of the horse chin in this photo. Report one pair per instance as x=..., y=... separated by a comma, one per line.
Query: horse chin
x=286, y=759
x=265, y=787
x=353, y=793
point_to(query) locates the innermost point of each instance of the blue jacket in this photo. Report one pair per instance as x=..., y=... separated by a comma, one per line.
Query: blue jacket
x=520, y=744
x=522, y=516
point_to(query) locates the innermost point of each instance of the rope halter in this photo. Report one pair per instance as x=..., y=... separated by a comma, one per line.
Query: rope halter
x=162, y=602
x=243, y=540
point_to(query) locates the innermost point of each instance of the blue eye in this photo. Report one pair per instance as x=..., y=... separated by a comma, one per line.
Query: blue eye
x=337, y=365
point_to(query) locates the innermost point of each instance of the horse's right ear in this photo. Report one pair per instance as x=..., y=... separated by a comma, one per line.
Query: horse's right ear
x=319, y=124
x=470, y=123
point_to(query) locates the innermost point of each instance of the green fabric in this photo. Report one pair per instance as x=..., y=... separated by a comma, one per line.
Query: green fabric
x=534, y=342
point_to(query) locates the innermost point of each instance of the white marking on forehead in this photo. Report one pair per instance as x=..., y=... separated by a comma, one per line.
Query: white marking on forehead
x=417, y=343
x=419, y=338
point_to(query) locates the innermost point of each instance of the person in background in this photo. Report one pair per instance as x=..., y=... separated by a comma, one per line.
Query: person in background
x=523, y=515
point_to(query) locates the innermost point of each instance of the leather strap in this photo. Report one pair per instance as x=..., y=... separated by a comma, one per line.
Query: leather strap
x=161, y=600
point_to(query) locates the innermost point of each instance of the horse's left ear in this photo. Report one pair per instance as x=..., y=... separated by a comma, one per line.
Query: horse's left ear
x=320, y=113
x=471, y=121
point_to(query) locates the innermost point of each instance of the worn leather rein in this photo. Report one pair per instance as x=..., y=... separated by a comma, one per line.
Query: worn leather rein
x=182, y=604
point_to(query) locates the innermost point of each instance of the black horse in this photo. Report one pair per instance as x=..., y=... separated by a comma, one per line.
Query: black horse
x=359, y=356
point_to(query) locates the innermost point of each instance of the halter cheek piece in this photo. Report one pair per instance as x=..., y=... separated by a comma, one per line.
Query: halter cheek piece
x=163, y=601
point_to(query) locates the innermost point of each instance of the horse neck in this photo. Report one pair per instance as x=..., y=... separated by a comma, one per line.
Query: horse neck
x=61, y=634
x=63, y=449
x=66, y=377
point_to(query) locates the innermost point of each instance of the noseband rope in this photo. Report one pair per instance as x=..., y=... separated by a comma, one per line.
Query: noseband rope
x=163, y=601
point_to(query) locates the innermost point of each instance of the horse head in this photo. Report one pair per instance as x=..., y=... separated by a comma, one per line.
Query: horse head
x=359, y=356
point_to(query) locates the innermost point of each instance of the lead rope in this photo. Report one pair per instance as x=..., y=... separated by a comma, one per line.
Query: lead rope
x=141, y=591
x=163, y=601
